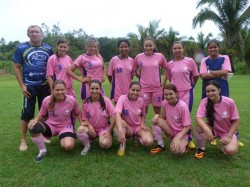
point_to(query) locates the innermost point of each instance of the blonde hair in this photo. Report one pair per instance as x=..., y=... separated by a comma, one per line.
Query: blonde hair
x=91, y=40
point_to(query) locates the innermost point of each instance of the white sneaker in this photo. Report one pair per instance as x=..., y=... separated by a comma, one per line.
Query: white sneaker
x=85, y=151
x=40, y=156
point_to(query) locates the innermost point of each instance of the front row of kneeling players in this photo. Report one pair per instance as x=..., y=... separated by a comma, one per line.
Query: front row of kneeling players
x=128, y=120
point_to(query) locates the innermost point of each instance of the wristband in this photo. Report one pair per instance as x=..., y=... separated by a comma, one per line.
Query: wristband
x=208, y=71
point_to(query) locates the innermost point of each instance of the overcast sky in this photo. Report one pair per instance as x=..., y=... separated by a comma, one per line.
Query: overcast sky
x=111, y=18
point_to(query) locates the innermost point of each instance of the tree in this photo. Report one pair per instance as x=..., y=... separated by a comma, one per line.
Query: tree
x=138, y=39
x=202, y=41
x=230, y=16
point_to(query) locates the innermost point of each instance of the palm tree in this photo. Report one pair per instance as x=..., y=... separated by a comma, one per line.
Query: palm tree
x=203, y=40
x=137, y=39
x=230, y=16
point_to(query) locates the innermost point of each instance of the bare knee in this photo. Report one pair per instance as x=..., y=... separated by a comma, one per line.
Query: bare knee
x=67, y=143
x=230, y=151
x=105, y=144
x=148, y=141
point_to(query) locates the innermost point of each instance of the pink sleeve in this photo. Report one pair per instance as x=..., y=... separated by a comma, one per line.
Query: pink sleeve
x=110, y=107
x=76, y=109
x=144, y=113
x=186, y=120
x=111, y=68
x=44, y=108
x=226, y=65
x=136, y=65
x=84, y=112
x=201, y=112
x=119, y=105
x=203, y=67
x=79, y=61
x=167, y=72
x=133, y=67
x=234, y=111
x=164, y=62
x=50, y=66
x=194, y=68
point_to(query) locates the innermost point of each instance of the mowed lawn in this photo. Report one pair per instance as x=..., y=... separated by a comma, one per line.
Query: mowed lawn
x=104, y=168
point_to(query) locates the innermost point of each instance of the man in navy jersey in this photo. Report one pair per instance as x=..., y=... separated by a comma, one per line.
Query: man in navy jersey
x=30, y=62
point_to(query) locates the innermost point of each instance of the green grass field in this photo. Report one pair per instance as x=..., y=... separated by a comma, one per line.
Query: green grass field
x=104, y=168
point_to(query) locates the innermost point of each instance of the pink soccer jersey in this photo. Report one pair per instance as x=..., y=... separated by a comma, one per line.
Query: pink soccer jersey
x=57, y=69
x=181, y=73
x=60, y=117
x=98, y=118
x=177, y=116
x=90, y=66
x=226, y=65
x=150, y=77
x=131, y=111
x=122, y=72
x=224, y=112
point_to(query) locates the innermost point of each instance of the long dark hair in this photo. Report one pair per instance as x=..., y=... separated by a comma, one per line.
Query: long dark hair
x=53, y=98
x=101, y=99
x=210, y=105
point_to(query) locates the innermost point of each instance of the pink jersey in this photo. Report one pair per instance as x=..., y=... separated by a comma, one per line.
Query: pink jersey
x=225, y=66
x=181, y=73
x=60, y=117
x=122, y=72
x=224, y=112
x=131, y=111
x=97, y=117
x=177, y=116
x=90, y=66
x=150, y=72
x=57, y=69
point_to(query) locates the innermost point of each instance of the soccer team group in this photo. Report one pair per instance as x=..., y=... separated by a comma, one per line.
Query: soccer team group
x=48, y=78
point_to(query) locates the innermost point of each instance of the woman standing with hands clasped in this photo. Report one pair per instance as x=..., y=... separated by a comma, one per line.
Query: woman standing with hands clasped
x=121, y=71
x=57, y=66
x=91, y=66
x=148, y=66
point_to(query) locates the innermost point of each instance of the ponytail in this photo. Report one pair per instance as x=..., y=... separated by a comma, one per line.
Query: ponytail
x=210, y=112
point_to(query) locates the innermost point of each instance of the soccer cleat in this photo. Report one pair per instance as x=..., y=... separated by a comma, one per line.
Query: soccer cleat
x=121, y=150
x=157, y=150
x=240, y=143
x=40, y=156
x=85, y=151
x=200, y=154
x=191, y=145
x=213, y=142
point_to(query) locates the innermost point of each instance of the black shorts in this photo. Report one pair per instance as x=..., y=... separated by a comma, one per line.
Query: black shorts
x=29, y=104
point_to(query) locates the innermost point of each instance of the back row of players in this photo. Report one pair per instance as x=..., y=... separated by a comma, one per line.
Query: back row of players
x=35, y=65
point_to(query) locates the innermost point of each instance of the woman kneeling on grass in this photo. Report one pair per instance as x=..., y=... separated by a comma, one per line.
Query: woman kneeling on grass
x=96, y=113
x=175, y=122
x=130, y=115
x=222, y=121
x=54, y=118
